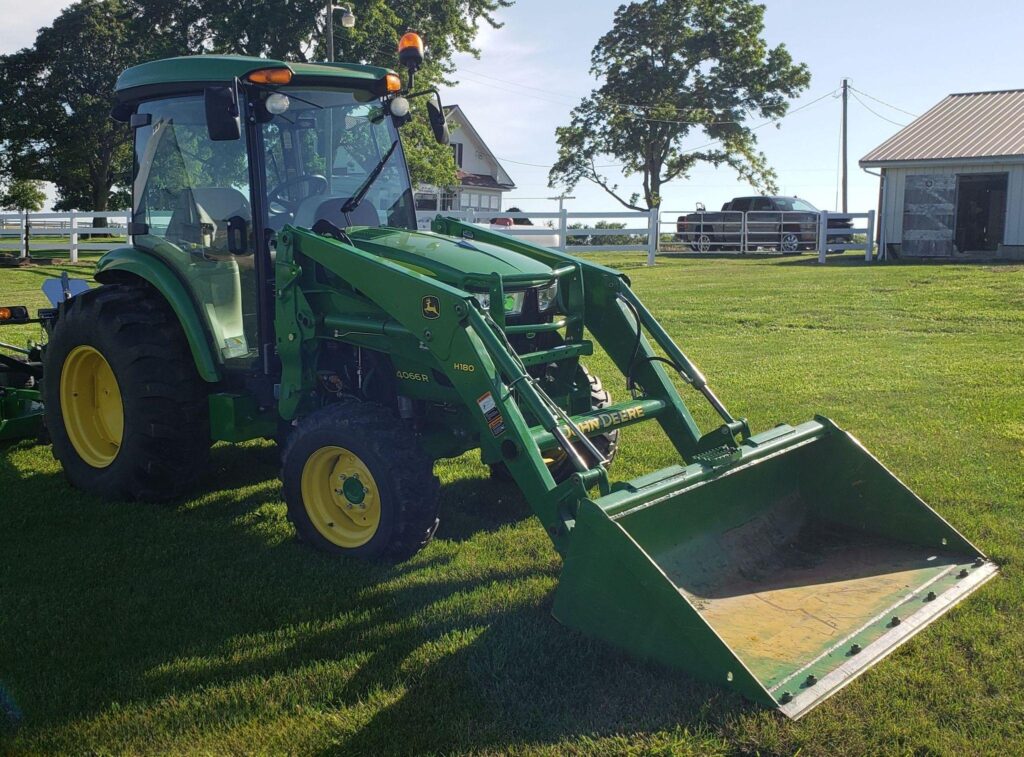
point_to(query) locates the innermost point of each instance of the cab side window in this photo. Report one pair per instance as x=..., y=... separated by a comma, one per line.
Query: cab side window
x=190, y=193
x=189, y=188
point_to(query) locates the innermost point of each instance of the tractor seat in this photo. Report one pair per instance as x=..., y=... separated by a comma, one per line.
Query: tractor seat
x=211, y=207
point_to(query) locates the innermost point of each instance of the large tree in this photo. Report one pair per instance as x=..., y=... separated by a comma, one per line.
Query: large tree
x=296, y=31
x=671, y=70
x=55, y=96
x=55, y=100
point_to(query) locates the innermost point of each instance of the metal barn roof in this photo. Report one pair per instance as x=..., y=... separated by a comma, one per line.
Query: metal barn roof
x=969, y=126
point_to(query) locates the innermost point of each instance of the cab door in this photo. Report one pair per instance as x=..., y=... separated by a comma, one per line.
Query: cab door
x=192, y=209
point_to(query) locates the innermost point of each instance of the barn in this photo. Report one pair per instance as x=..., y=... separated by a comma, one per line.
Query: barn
x=952, y=181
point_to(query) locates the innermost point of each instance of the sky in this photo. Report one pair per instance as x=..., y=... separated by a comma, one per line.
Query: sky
x=907, y=54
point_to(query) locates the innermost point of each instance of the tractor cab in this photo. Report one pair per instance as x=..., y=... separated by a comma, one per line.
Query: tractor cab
x=229, y=150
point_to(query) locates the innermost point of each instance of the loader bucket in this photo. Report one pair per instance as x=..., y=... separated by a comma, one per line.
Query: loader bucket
x=783, y=573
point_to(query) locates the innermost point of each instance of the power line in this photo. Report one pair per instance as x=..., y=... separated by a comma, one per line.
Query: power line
x=805, y=106
x=875, y=112
x=883, y=102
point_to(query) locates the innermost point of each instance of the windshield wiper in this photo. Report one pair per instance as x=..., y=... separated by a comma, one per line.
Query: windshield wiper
x=353, y=202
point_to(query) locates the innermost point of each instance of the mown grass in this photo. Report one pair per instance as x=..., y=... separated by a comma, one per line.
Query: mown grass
x=203, y=627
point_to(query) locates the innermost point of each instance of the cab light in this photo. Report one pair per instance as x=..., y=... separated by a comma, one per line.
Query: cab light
x=393, y=82
x=5, y=314
x=270, y=76
x=410, y=50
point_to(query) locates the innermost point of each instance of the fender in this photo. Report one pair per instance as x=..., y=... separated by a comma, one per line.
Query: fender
x=123, y=262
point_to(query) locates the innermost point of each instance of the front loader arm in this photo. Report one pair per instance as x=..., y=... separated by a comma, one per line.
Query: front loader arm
x=616, y=317
x=448, y=324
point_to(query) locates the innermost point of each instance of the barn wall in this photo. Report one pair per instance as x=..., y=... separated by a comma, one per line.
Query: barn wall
x=895, y=185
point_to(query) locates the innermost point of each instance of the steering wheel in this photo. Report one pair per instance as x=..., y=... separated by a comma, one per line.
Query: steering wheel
x=318, y=183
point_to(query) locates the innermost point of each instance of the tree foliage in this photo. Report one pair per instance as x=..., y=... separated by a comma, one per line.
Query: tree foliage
x=671, y=69
x=296, y=30
x=55, y=97
x=24, y=195
x=55, y=100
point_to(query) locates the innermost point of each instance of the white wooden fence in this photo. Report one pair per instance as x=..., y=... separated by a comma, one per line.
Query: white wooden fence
x=553, y=229
x=645, y=231
x=734, y=231
x=68, y=228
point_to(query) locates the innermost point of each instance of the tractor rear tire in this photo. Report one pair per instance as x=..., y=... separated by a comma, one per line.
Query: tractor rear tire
x=608, y=443
x=136, y=425
x=357, y=483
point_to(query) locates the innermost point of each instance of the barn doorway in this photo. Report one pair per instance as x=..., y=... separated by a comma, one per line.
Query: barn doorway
x=980, y=211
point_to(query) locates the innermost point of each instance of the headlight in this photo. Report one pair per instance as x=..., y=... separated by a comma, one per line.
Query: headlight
x=513, y=301
x=547, y=297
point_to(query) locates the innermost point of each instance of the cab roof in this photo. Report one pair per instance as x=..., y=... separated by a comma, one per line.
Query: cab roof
x=178, y=74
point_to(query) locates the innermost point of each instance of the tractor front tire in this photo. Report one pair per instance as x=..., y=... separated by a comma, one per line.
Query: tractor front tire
x=357, y=483
x=125, y=408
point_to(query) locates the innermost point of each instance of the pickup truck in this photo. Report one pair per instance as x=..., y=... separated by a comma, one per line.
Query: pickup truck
x=786, y=224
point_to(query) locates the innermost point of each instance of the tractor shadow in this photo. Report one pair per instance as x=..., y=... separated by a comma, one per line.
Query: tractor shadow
x=125, y=607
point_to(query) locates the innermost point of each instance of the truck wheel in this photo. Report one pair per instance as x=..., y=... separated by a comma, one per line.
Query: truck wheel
x=560, y=466
x=357, y=483
x=124, y=406
x=704, y=242
x=790, y=243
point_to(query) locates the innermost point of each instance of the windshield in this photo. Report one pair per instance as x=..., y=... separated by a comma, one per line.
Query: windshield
x=322, y=150
x=795, y=203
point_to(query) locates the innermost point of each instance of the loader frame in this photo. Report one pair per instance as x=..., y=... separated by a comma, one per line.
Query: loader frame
x=514, y=419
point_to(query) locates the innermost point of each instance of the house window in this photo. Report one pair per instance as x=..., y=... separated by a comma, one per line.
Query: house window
x=426, y=201
x=457, y=154
x=464, y=200
x=474, y=200
x=448, y=201
x=495, y=202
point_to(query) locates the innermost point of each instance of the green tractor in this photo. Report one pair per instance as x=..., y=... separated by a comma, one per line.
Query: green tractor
x=277, y=287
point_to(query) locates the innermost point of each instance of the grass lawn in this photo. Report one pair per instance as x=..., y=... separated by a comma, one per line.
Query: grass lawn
x=204, y=627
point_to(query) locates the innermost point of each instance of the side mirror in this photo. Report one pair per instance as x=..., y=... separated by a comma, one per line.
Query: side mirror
x=222, y=114
x=438, y=123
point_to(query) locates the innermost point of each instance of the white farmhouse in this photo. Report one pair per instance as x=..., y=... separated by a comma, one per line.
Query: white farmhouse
x=482, y=180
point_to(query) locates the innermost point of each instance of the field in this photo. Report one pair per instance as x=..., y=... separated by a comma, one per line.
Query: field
x=203, y=627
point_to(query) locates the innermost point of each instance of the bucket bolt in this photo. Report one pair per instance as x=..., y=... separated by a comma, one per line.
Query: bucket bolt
x=930, y=597
x=786, y=697
x=962, y=573
x=855, y=649
x=811, y=680
x=979, y=561
x=895, y=620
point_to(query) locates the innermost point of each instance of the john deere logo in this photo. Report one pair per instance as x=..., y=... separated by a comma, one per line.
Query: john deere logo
x=431, y=307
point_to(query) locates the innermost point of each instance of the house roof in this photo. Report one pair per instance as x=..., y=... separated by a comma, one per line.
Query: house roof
x=460, y=116
x=482, y=181
x=968, y=126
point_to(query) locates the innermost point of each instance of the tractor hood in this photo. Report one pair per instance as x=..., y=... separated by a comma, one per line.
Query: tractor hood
x=449, y=259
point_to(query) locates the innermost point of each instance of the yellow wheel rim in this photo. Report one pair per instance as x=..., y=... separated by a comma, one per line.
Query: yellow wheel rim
x=90, y=402
x=341, y=497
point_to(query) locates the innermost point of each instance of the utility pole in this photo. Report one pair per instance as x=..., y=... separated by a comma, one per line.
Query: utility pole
x=330, y=31
x=846, y=175
x=561, y=200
